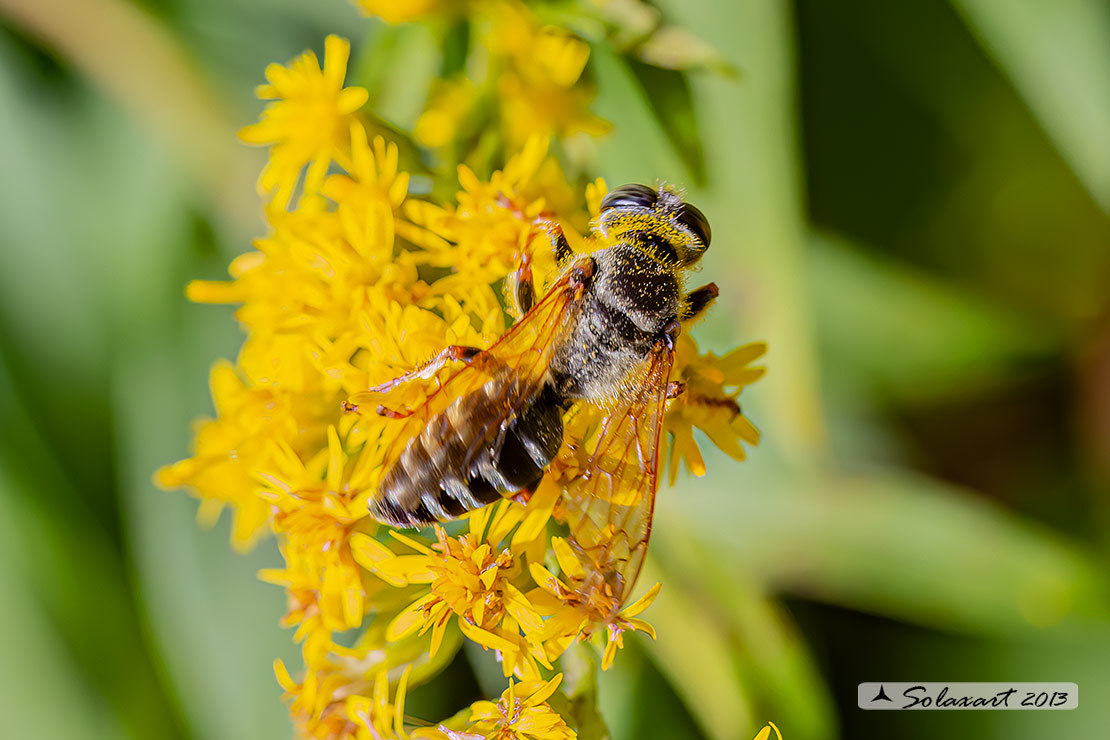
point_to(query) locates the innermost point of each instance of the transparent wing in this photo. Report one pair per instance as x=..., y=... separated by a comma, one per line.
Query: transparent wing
x=611, y=479
x=515, y=366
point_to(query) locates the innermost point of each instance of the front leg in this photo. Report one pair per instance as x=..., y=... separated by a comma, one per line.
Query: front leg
x=697, y=301
x=560, y=247
x=522, y=289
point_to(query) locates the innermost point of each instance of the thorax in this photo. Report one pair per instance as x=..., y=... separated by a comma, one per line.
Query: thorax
x=629, y=300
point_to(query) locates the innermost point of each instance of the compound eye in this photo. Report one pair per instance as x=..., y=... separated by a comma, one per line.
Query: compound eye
x=695, y=220
x=640, y=196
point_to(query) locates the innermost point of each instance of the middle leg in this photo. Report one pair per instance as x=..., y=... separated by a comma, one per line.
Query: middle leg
x=697, y=301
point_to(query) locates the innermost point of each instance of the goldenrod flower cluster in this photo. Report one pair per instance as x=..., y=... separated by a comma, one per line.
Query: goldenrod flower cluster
x=523, y=78
x=356, y=282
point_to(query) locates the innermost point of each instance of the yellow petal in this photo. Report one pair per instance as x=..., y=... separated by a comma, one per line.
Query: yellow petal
x=408, y=621
x=484, y=710
x=335, y=460
x=508, y=516
x=415, y=545
x=741, y=356
x=283, y=677
x=642, y=603
x=640, y=625
x=437, y=635
x=538, y=512
x=488, y=576
x=214, y=291
x=545, y=579
x=478, y=611
x=486, y=638
x=523, y=612
x=568, y=560
x=608, y=655
x=479, y=518
x=399, y=703
x=544, y=692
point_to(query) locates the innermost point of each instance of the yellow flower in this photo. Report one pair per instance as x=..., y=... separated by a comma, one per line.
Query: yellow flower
x=496, y=222
x=585, y=606
x=709, y=403
x=336, y=705
x=521, y=713
x=373, y=190
x=526, y=80
x=450, y=104
x=316, y=517
x=401, y=11
x=226, y=449
x=539, y=85
x=470, y=579
x=309, y=121
x=765, y=733
x=357, y=282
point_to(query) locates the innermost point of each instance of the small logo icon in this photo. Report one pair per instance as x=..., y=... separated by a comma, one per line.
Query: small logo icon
x=882, y=695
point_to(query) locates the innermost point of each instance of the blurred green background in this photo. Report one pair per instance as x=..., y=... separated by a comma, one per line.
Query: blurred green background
x=909, y=202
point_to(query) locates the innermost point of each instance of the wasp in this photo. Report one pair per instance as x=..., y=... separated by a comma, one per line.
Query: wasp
x=604, y=333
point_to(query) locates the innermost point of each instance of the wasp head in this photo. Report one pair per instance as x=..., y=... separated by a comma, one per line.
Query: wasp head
x=659, y=218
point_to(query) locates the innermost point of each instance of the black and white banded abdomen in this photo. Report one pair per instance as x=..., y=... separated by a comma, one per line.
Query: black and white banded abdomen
x=467, y=457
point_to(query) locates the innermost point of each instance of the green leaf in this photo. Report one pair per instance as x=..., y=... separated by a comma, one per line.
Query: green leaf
x=69, y=608
x=211, y=624
x=396, y=64
x=754, y=201
x=456, y=48
x=62, y=539
x=896, y=544
x=637, y=149
x=579, y=665
x=958, y=341
x=1057, y=55
x=694, y=651
x=668, y=94
x=46, y=696
x=772, y=660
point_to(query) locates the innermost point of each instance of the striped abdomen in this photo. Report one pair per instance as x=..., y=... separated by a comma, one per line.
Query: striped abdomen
x=466, y=457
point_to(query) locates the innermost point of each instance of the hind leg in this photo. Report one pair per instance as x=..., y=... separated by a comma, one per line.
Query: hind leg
x=454, y=353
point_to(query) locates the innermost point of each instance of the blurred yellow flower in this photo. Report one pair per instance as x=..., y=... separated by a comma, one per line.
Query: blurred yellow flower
x=539, y=84
x=526, y=79
x=402, y=11
x=226, y=449
x=367, y=712
x=450, y=103
x=765, y=733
